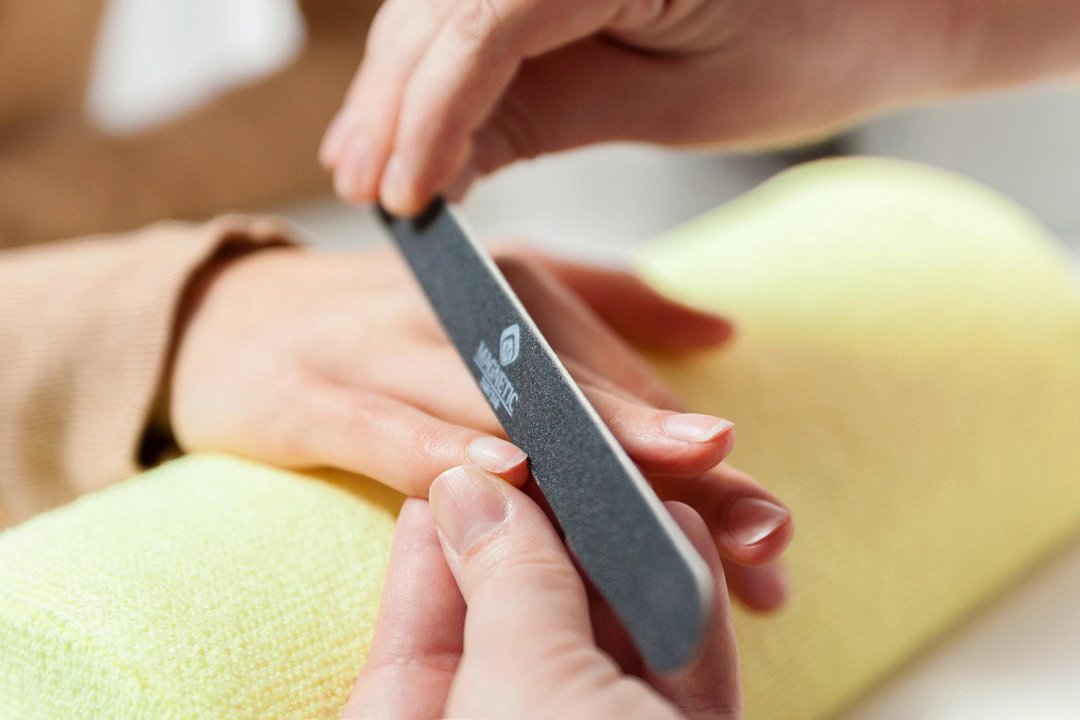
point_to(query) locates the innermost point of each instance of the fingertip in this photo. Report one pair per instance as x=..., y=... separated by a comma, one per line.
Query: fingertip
x=414, y=538
x=674, y=325
x=467, y=503
x=354, y=172
x=414, y=515
x=756, y=530
x=499, y=457
x=715, y=328
x=335, y=137
x=763, y=589
x=697, y=329
x=701, y=428
x=397, y=191
x=681, y=445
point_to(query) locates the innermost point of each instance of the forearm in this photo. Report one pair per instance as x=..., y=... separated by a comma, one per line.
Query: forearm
x=1009, y=42
x=85, y=332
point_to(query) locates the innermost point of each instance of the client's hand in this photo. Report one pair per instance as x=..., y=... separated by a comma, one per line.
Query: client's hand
x=304, y=358
x=518, y=640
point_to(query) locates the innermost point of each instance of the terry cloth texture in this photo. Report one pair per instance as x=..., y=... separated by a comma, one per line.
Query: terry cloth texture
x=210, y=588
x=906, y=376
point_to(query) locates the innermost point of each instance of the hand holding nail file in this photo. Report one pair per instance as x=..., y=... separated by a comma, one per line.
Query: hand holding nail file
x=618, y=529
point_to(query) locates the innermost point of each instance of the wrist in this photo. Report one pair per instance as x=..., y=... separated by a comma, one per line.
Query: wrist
x=159, y=439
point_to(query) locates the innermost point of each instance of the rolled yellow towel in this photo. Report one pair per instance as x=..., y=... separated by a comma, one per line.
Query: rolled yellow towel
x=906, y=376
x=211, y=587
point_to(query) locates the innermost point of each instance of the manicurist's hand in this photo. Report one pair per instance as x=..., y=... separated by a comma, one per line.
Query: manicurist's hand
x=484, y=615
x=449, y=89
x=303, y=358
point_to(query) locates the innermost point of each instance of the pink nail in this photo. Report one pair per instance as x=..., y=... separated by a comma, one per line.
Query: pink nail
x=694, y=427
x=750, y=520
x=494, y=455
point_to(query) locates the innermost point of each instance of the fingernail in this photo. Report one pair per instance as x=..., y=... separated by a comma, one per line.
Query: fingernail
x=467, y=504
x=350, y=170
x=336, y=135
x=750, y=520
x=395, y=192
x=494, y=455
x=693, y=427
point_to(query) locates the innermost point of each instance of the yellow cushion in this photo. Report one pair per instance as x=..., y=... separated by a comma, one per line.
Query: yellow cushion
x=906, y=376
x=210, y=587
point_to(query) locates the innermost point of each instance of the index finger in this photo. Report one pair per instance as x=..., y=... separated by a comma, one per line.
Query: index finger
x=417, y=641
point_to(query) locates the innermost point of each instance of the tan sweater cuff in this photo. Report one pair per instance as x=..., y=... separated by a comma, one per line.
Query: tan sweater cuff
x=85, y=331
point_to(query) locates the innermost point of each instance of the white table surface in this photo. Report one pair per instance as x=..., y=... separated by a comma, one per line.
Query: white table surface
x=1019, y=658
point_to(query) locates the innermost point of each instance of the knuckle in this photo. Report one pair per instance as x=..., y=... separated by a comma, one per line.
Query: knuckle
x=359, y=417
x=506, y=556
x=443, y=662
x=516, y=129
x=438, y=444
x=477, y=23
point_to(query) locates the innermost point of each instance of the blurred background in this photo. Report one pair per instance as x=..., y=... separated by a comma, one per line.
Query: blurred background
x=119, y=114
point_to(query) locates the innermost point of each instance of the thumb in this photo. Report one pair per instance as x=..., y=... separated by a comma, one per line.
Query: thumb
x=527, y=609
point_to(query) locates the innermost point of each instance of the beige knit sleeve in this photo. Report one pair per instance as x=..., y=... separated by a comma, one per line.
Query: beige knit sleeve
x=85, y=330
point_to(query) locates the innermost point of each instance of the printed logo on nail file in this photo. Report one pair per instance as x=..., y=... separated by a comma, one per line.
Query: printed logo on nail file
x=496, y=385
x=509, y=344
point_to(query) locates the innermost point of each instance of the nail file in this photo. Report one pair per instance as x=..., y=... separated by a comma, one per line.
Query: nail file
x=620, y=532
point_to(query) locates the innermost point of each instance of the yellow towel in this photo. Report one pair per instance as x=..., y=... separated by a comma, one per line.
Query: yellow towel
x=209, y=588
x=907, y=377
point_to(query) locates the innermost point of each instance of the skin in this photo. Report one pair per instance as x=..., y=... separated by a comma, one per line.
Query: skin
x=450, y=90
x=305, y=359
x=489, y=560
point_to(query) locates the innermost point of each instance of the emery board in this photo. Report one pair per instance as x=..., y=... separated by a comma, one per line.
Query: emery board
x=620, y=532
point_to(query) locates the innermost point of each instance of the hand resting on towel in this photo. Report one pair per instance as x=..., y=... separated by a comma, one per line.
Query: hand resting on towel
x=303, y=358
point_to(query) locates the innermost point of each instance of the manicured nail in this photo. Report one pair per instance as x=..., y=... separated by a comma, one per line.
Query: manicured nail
x=336, y=134
x=693, y=427
x=750, y=520
x=494, y=455
x=467, y=504
x=395, y=192
x=351, y=169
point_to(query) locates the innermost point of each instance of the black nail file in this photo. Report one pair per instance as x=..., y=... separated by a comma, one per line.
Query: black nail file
x=621, y=534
